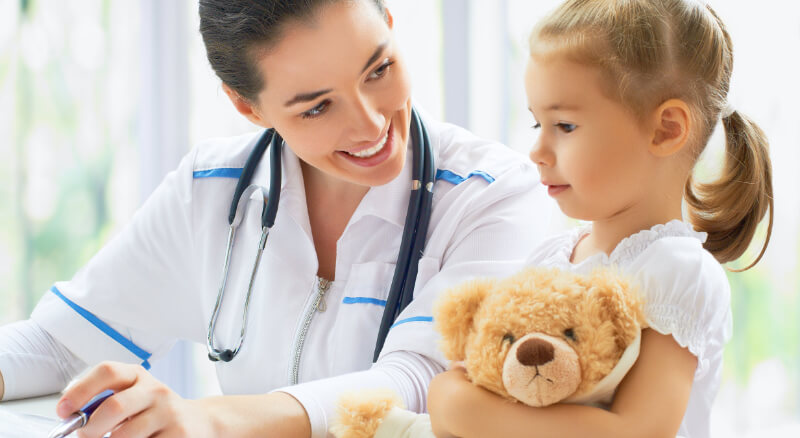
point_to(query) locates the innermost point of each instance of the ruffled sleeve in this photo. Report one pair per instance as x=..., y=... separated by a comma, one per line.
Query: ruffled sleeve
x=555, y=251
x=687, y=295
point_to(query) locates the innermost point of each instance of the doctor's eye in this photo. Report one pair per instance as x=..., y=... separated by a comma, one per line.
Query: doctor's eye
x=316, y=111
x=381, y=70
x=566, y=127
x=536, y=126
x=509, y=337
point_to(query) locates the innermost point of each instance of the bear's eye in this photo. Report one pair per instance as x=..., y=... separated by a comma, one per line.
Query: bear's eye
x=570, y=334
x=508, y=337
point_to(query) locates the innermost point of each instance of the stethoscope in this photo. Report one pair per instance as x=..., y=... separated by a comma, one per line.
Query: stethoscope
x=412, y=244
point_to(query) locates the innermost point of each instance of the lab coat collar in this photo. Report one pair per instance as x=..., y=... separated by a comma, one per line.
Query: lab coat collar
x=293, y=191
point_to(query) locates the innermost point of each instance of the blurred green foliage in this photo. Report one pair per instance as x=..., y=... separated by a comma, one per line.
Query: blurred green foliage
x=45, y=108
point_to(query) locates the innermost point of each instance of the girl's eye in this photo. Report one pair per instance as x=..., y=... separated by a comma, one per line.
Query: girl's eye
x=316, y=111
x=536, y=126
x=566, y=127
x=381, y=70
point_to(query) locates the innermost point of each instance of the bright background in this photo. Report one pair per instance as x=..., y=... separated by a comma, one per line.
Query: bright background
x=99, y=99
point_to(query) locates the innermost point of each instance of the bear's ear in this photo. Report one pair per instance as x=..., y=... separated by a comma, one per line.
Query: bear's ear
x=454, y=315
x=621, y=302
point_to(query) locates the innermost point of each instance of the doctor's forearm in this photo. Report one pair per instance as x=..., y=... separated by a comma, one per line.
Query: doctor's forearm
x=274, y=414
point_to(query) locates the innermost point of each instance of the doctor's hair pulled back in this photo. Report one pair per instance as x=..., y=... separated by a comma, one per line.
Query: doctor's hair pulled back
x=236, y=31
x=650, y=51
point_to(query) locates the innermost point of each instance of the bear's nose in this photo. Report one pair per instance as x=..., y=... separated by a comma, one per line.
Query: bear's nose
x=534, y=352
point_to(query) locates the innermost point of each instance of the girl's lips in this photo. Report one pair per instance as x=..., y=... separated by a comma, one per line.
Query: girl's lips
x=555, y=190
x=376, y=159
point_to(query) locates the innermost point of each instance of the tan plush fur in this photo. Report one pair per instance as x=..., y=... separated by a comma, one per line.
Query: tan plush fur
x=603, y=310
x=361, y=413
x=486, y=324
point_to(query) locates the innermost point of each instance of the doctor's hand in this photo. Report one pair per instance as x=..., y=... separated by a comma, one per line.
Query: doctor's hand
x=142, y=406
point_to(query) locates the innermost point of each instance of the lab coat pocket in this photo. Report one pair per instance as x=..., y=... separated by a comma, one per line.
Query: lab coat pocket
x=359, y=315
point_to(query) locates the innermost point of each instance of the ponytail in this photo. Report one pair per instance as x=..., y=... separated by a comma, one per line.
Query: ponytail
x=730, y=209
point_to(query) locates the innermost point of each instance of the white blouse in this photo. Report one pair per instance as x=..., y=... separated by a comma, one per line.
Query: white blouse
x=686, y=295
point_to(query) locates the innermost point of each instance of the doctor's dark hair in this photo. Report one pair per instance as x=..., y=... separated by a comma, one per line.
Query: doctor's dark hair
x=236, y=31
x=650, y=51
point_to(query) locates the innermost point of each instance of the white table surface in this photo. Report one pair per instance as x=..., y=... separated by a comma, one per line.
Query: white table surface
x=44, y=406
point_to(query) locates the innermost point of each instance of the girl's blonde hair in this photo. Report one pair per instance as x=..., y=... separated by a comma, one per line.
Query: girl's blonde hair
x=649, y=51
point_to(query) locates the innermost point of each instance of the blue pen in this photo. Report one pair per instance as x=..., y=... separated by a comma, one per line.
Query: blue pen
x=80, y=418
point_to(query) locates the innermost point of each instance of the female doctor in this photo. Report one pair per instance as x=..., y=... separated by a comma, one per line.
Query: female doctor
x=328, y=77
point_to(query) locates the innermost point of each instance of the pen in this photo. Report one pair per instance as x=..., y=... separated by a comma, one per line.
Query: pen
x=80, y=418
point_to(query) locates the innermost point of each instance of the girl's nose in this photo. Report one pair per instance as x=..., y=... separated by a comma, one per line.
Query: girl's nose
x=540, y=154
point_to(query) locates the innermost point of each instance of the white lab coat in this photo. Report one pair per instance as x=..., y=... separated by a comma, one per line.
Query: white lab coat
x=157, y=281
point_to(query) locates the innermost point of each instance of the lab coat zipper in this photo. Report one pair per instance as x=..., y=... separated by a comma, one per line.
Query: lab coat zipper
x=318, y=305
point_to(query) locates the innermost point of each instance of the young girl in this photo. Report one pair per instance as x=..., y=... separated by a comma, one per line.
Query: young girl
x=626, y=94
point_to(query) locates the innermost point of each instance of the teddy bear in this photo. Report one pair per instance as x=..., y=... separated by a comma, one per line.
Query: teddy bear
x=539, y=337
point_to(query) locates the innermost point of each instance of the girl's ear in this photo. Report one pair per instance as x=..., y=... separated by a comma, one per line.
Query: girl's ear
x=672, y=122
x=454, y=314
x=245, y=107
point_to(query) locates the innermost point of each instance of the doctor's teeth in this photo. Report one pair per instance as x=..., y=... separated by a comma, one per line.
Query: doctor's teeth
x=366, y=153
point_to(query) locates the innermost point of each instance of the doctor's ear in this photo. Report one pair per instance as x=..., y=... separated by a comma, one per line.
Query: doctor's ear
x=245, y=107
x=672, y=122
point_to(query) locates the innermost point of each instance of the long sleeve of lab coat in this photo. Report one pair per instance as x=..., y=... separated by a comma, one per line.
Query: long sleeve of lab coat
x=32, y=362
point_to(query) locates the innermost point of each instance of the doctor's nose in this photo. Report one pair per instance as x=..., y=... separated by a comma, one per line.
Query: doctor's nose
x=368, y=121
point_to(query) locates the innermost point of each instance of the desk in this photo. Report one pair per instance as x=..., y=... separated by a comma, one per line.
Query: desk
x=44, y=406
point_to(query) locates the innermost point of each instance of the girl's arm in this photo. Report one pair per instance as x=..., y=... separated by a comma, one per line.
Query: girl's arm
x=650, y=401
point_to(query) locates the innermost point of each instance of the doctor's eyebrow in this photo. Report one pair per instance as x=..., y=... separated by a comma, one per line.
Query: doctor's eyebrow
x=308, y=97
x=375, y=55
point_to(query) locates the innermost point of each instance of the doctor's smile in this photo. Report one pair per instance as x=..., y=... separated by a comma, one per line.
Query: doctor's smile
x=374, y=154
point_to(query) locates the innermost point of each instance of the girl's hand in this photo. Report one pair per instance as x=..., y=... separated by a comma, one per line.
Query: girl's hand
x=142, y=406
x=449, y=398
x=457, y=366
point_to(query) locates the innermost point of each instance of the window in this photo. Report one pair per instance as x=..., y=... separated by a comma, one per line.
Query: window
x=68, y=160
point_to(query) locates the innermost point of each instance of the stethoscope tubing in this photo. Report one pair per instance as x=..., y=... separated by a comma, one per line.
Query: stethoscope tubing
x=269, y=211
x=401, y=292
